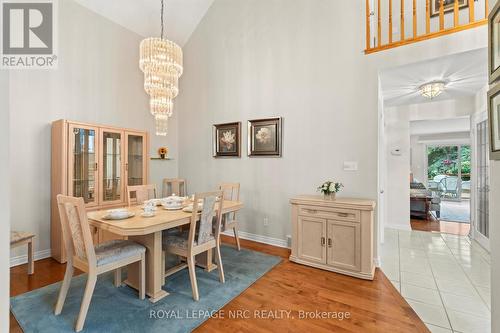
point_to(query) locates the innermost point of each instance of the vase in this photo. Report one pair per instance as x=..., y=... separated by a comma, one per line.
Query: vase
x=162, y=156
x=330, y=196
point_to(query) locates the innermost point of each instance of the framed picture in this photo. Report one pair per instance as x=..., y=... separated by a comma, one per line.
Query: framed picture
x=264, y=137
x=227, y=140
x=494, y=43
x=448, y=6
x=494, y=121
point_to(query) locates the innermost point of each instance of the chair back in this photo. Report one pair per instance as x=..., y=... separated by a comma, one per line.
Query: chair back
x=137, y=194
x=175, y=186
x=210, y=217
x=231, y=192
x=75, y=229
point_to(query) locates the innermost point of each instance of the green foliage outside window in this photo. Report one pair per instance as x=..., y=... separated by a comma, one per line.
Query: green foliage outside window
x=443, y=160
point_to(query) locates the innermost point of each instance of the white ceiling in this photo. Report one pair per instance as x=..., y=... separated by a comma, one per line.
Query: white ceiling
x=465, y=73
x=143, y=17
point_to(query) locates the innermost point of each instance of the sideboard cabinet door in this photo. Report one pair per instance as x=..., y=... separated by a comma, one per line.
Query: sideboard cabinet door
x=82, y=163
x=111, y=167
x=312, y=239
x=344, y=245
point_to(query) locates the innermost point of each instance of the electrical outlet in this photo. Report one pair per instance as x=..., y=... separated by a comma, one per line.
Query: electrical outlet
x=266, y=221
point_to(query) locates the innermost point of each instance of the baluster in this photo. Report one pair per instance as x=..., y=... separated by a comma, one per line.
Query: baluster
x=390, y=21
x=414, y=18
x=441, y=14
x=427, y=16
x=379, y=25
x=471, y=11
x=368, y=37
x=455, y=13
x=402, y=19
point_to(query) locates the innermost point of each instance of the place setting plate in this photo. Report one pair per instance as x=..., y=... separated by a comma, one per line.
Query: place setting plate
x=118, y=214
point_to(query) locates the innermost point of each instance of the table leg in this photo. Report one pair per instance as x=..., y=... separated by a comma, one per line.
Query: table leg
x=154, y=274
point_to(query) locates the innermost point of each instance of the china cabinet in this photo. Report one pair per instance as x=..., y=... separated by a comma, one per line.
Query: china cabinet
x=335, y=235
x=94, y=162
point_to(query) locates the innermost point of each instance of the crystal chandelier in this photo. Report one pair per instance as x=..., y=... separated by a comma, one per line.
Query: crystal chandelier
x=161, y=63
x=432, y=89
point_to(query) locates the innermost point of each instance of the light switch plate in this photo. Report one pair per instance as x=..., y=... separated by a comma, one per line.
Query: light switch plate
x=350, y=166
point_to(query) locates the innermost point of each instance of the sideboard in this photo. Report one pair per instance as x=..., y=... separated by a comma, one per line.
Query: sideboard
x=335, y=235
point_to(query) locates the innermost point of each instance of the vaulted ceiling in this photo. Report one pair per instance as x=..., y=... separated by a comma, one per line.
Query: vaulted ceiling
x=143, y=16
x=464, y=73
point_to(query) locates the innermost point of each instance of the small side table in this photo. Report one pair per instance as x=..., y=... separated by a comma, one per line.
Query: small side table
x=19, y=238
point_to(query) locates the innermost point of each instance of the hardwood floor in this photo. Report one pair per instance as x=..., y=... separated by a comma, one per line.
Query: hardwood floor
x=454, y=228
x=373, y=306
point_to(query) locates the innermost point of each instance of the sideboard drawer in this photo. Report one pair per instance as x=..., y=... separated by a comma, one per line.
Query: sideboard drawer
x=330, y=213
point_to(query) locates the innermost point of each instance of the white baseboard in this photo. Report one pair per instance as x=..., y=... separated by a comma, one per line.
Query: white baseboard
x=19, y=260
x=259, y=238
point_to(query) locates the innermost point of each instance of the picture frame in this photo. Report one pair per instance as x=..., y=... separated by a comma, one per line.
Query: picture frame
x=227, y=140
x=494, y=122
x=448, y=6
x=494, y=44
x=265, y=137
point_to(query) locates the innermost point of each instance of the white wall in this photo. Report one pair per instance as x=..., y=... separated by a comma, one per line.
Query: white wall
x=397, y=131
x=98, y=81
x=255, y=59
x=4, y=202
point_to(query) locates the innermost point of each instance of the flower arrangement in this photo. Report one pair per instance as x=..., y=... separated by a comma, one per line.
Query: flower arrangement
x=329, y=189
x=162, y=151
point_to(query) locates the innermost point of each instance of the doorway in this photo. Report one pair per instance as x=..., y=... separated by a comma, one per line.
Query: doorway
x=449, y=178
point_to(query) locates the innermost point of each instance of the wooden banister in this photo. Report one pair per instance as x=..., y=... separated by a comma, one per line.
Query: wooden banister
x=435, y=10
x=486, y=9
x=379, y=25
x=368, y=35
x=427, y=16
x=441, y=14
x=471, y=11
x=414, y=18
x=402, y=19
x=390, y=21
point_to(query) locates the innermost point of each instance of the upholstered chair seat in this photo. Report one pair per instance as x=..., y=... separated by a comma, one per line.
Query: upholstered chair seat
x=18, y=236
x=116, y=250
x=180, y=240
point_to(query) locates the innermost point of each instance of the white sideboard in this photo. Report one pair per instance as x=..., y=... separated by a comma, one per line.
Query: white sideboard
x=335, y=235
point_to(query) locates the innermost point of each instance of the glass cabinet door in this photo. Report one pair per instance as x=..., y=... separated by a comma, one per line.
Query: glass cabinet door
x=83, y=163
x=111, y=158
x=135, y=159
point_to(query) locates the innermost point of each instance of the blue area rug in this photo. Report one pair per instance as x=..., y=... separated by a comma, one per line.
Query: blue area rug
x=120, y=309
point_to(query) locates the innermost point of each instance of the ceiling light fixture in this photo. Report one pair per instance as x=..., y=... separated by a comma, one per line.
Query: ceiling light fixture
x=161, y=63
x=432, y=89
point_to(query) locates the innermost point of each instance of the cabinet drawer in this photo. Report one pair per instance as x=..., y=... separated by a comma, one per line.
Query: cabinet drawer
x=330, y=213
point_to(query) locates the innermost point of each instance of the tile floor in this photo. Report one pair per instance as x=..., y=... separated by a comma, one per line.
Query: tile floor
x=445, y=278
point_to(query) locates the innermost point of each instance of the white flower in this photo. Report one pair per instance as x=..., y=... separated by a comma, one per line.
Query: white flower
x=264, y=135
x=228, y=139
x=332, y=187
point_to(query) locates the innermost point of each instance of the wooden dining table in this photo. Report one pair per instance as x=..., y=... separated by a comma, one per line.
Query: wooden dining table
x=148, y=232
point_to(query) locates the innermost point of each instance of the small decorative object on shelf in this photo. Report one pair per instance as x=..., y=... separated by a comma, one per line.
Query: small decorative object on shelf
x=330, y=189
x=162, y=151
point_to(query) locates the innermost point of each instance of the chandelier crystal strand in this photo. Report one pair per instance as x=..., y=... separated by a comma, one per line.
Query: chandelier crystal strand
x=161, y=63
x=161, y=124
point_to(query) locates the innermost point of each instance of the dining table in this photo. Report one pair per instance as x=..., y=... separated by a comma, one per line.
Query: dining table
x=148, y=232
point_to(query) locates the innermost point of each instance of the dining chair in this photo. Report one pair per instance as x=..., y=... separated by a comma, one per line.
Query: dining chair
x=198, y=239
x=174, y=186
x=231, y=191
x=94, y=260
x=142, y=193
x=19, y=238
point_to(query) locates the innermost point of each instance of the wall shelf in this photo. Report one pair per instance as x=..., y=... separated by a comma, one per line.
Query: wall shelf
x=162, y=159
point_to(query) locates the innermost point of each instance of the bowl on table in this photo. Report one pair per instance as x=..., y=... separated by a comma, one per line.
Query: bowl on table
x=118, y=214
x=172, y=202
